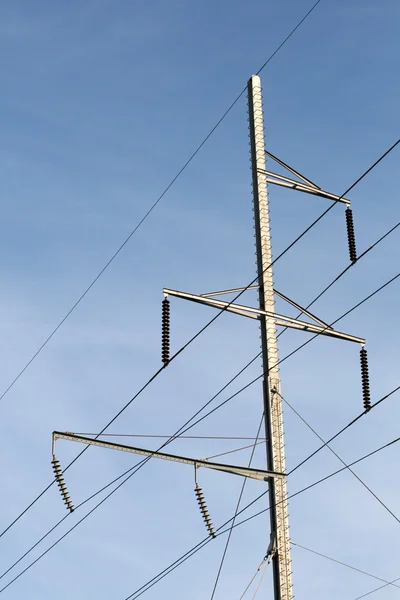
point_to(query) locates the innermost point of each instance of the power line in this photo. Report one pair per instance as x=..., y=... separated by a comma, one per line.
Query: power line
x=208, y=539
x=341, y=460
x=183, y=429
x=346, y=269
x=201, y=544
x=339, y=562
x=213, y=319
x=174, y=356
x=312, y=485
x=341, y=317
x=157, y=373
x=377, y=589
x=374, y=405
x=221, y=564
x=207, y=325
x=194, y=416
x=154, y=205
x=248, y=385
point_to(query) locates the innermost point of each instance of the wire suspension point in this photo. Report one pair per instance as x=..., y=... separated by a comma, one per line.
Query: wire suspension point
x=165, y=332
x=365, y=379
x=350, y=235
x=203, y=509
x=61, y=483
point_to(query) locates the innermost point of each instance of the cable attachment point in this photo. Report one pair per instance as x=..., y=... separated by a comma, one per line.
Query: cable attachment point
x=350, y=235
x=165, y=339
x=61, y=483
x=365, y=379
x=203, y=509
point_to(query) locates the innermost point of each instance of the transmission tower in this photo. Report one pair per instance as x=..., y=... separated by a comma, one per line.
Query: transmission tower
x=279, y=547
x=278, y=550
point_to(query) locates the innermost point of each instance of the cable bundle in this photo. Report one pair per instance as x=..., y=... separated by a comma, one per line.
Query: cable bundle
x=350, y=235
x=203, y=509
x=365, y=379
x=61, y=483
x=165, y=340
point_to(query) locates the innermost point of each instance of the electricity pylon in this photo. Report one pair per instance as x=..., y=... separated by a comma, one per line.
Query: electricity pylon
x=279, y=543
x=279, y=547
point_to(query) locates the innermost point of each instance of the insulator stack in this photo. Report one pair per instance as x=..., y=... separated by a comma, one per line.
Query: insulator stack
x=203, y=509
x=61, y=483
x=350, y=235
x=365, y=379
x=165, y=340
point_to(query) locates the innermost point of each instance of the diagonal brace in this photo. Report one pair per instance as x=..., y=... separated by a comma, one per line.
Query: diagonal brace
x=255, y=313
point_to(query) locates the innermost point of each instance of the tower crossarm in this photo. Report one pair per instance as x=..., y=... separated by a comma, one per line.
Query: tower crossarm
x=286, y=182
x=256, y=313
x=260, y=474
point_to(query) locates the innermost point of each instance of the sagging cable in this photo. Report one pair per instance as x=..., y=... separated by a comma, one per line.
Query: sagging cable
x=350, y=235
x=165, y=335
x=365, y=379
x=61, y=483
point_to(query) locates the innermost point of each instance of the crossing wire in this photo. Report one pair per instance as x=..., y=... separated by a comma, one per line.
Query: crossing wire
x=373, y=494
x=137, y=467
x=377, y=589
x=220, y=531
x=339, y=562
x=221, y=564
x=151, y=209
x=180, y=430
x=248, y=385
x=210, y=322
x=184, y=428
x=133, y=470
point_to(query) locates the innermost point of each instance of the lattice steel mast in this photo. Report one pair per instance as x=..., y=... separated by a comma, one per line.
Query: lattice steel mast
x=280, y=543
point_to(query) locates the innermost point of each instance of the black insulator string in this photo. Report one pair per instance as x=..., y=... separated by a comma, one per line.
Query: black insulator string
x=144, y=588
x=365, y=379
x=61, y=483
x=204, y=511
x=350, y=235
x=165, y=332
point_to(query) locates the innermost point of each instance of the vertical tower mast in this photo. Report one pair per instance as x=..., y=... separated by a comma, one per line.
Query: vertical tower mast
x=279, y=544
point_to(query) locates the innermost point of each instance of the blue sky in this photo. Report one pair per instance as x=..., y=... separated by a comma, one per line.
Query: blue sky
x=101, y=104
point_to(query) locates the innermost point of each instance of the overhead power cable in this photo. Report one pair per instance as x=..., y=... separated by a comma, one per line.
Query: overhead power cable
x=220, y=531
x=184, y=428
x=378, y=589
x=203, y=329
x=171, y=439
x=148, y=458
x=341, y=460
x=339, y=562
x=199, y=546
x=221, y=564
x=153, y=206
x=206, y=540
